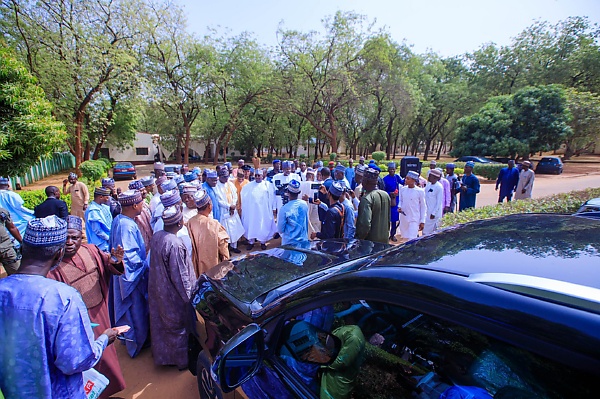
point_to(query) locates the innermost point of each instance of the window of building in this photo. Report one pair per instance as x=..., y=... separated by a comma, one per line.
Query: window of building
x=141, y=150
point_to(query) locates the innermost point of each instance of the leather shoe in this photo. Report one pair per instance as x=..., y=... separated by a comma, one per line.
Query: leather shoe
x=263, y=246
x=394, y=239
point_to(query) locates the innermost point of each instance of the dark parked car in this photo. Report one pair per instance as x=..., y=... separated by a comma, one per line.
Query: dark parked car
x=502, y=308
x=468, y=158
x=552, y=165
x=124, y=170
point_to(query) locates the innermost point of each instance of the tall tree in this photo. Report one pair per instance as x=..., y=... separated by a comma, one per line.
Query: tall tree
x=585, y=112
x=320, y=76
x=28, y=130
x=239, y=76
x=176, y=67
x=74, y=48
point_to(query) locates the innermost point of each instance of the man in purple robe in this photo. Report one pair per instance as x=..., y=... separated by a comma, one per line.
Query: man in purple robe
x=172, y=279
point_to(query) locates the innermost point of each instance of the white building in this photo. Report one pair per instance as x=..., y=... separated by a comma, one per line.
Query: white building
x=142, y=151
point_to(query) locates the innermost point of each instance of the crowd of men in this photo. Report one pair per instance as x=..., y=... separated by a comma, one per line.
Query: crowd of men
x=147, y=246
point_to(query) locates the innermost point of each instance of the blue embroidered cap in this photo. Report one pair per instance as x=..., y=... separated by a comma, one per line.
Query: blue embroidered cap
x=340, y=168
x=201, y=198
x=336, y=189
x=178, y=179
x=108, y=182
x=189, y=176
x=211, y=174
x=170, y=198
x=168, y=185
x=172, y=215
x=136, y=185
x=130, y=197
x=3, y=181
x=470, y=163
x=74, y=222
x=46, y=232
x=294, y=186
x=413, y=175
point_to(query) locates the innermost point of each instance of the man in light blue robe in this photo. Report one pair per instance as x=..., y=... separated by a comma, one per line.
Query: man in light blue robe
x=13, y=203
x=209, y=185
x=292, y=219
x=98, y=219
x=47, y=340
x=129, y=292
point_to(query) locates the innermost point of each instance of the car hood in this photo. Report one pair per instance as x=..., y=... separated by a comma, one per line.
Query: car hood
x=261, y=277
x=552, y=246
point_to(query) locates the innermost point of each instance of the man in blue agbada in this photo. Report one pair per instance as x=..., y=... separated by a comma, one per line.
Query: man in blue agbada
x=209, y=185
x=129, y=292
x=47, y=340
x=508, y=178
x=469, y=188
x=98, y=219
x=13, y=203
x=392, y=183
x=292, y=219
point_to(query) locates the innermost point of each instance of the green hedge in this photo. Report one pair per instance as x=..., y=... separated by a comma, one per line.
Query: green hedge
x=559, y=203
x=33, y=198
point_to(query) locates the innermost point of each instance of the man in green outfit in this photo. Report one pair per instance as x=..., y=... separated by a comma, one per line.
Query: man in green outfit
x=8, y=255
x=373, y=222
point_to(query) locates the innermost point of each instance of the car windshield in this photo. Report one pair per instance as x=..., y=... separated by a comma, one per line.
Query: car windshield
x=549, y=160
x=250, y=277
x=124, y=165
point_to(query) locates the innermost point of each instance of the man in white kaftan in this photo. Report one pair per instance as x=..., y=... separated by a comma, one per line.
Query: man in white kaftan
x=258, y=203
x=281, y=179
x=526, y=178
x=227, y=202
x=308, y=189
x=434, y=200
x=411, y=207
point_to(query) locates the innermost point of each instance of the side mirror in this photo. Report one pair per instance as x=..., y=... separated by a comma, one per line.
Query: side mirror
x=240, y=358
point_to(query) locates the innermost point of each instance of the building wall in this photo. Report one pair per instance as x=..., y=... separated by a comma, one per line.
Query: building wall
x=142, y=151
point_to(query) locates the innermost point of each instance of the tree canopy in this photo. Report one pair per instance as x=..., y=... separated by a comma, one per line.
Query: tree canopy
x=114, y=67
x=28, y=130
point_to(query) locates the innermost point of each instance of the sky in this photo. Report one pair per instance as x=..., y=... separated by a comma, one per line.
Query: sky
x=448, y=27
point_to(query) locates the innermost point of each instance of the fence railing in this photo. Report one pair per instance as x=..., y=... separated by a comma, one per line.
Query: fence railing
x=60, y=161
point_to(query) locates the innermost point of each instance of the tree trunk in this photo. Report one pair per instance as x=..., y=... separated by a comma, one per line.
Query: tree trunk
x=78, y=131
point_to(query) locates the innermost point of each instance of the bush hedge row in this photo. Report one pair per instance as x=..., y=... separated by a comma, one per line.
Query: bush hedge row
x=33, y=198
x=558, y=203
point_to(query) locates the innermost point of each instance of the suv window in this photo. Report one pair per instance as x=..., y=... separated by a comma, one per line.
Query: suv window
x=388, y=351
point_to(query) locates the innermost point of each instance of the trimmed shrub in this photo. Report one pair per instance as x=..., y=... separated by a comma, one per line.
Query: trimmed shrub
x=558, y=203
x=107, y=163
x=378, y=156
x=33, y=198
x=93, y=170
x=302, y=156
x=332, y=156
x=488, y=171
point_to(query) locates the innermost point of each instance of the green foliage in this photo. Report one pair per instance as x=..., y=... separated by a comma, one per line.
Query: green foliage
x=33, y=198
x=302, y=156
x=559, y=203
x=332, y=156
x=28, y=130
x=533, y=119
x=378, y=156
x=585, y=111
x=93, y=170
x=107, y=163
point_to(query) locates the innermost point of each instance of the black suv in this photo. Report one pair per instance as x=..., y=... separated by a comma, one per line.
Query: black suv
x=501, y=308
